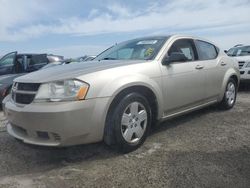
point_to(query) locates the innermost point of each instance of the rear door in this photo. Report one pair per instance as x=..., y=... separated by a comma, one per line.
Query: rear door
x=7, y=63
x=215, y=68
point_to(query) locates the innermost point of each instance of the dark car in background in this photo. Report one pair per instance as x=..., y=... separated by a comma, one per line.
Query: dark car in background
x=13, y=65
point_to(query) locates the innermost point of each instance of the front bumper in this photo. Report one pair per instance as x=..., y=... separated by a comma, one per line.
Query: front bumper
x=57, y=124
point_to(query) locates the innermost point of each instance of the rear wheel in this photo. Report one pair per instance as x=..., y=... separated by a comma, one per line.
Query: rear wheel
x=230, y=94
x=129, y=122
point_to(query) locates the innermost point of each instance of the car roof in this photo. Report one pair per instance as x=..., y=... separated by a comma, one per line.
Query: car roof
x=150, y=37
x=174, y=36
x=30, y=53
x=235, y=47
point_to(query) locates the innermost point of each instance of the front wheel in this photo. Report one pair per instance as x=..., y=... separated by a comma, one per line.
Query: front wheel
x=230, y=94
x=129, y=122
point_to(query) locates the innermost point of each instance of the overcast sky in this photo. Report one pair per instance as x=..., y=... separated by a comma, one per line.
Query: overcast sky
x=76, y=27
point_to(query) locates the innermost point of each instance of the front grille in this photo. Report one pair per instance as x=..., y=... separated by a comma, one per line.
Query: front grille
x=28, y=87
x=24, y=93
x=241, y=64
x=24, y=98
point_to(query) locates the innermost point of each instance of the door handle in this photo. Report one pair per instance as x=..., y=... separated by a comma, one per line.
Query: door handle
x=223, y=63
x=199, y=67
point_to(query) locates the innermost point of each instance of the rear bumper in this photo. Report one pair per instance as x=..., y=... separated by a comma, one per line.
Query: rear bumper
x=57, y=124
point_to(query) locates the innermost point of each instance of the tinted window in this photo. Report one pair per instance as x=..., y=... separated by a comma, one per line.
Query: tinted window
x=232, y=52
x=184, y=46
x=19, y=66
x=206, y=50
x=38, y=59
x=8, y=60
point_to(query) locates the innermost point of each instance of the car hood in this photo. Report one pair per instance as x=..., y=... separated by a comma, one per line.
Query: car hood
x=243, y=58
x=73, y=70
x=8, y=79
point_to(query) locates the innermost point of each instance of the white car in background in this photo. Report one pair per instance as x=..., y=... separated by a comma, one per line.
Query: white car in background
x=242, y=55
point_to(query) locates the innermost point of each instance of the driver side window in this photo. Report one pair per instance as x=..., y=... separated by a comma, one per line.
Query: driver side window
x=8, y=60
x=185, y=46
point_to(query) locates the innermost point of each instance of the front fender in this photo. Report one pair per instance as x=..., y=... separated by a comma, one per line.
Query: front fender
x=116, y=86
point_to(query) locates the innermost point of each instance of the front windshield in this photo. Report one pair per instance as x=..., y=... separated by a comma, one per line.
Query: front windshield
x=137, y=49
x=239, y=51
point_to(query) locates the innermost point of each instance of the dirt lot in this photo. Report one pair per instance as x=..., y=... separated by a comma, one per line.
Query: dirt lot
x=208, y=148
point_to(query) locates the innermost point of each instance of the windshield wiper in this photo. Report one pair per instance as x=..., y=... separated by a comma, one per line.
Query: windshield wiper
x=109, y=58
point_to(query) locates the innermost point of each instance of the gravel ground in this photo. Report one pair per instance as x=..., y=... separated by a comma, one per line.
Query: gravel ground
x=207, y=148
x=2, y=122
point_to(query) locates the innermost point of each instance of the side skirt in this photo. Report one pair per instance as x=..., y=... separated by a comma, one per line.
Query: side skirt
x=169, y=116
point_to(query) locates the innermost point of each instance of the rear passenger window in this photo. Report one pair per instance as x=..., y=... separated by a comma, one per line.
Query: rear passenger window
x=206, y=50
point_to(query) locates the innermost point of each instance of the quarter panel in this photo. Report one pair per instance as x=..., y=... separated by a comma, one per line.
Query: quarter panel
x=214, y=76
x=230, y=72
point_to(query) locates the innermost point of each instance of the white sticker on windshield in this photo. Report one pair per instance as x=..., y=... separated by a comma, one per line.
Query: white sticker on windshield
x=147, y=42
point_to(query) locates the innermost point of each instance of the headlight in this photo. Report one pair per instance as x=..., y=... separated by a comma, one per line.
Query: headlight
x=248, y=65
x=65, y=90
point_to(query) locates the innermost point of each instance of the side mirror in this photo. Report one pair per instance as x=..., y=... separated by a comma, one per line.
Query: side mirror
x=174, y=57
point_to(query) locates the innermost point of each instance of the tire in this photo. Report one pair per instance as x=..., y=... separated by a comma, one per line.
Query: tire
x=128, y=123
x=230, y=94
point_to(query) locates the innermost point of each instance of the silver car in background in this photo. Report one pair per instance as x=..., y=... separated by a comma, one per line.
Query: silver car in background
x=121, y=93
x=242, y=54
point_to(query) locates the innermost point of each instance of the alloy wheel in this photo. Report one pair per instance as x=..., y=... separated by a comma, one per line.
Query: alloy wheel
x=230, y=93
x=134, y=122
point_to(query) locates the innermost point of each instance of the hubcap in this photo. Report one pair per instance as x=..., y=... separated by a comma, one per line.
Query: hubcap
x=134, y=122
x=230, y=93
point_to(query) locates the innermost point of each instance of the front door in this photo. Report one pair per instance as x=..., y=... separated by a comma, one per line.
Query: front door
x=183, y=82
x=7, y=63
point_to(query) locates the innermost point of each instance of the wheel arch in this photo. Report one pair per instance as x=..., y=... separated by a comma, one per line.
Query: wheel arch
x=236, y=79
x=231, y=73
x=142, y=89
